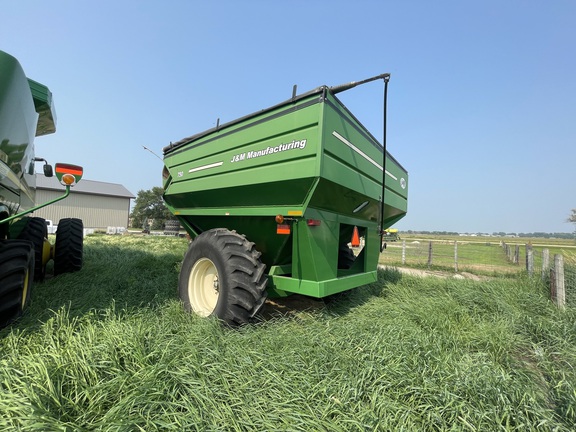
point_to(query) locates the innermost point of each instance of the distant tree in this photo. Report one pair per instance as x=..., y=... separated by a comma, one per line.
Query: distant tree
x=149, y=206
x=572, y=219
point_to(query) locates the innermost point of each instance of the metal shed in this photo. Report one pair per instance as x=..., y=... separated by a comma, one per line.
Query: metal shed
x=98, y=204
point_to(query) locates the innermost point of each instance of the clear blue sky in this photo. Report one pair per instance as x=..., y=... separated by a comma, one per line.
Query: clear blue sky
x=482, y=99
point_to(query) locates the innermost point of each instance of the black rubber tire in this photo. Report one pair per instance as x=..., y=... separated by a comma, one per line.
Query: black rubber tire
x=69, y=245
x=16, y=272
x=171, y=227
x=35, y=230
x=240, y=279
x=346, y=257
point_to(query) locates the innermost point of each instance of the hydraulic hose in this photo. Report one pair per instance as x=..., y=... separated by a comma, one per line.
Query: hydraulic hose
x=386, y=79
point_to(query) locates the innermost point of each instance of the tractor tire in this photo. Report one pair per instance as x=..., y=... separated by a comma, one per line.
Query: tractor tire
x=222, y=276
x=68, y=247
x=16, y=272
x=171, y=227
x=36, y=232
x=346, y=257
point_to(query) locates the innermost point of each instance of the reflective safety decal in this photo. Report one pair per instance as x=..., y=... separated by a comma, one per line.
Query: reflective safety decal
x=283, y=229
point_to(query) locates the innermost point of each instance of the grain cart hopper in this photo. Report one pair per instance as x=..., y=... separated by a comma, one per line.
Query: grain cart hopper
x=274, y=200
x=27, y=111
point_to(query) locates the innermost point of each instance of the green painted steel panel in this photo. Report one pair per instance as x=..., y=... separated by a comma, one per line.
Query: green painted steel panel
x=319, y=289
x=44, y=107
x=18, y=119
x=306, y=158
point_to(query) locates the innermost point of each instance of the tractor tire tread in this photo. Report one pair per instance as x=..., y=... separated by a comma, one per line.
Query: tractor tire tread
x=36, y=231
x=16, y=262
x=346, y=257
x=68, y=254
x=245, y=275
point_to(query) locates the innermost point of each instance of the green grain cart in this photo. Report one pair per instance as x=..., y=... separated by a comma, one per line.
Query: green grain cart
x=292, y=199
x=27, y=111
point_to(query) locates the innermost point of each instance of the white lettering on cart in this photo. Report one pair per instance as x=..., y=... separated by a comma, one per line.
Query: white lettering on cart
x=293, y=145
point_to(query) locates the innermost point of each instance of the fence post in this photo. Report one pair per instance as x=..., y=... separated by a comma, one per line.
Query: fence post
x=429, y=253
x=545, y=262
x=559, y=280
x=517, y=255
x=403, y=252
x=529, y=260
x=455, y=256
x=552, y=285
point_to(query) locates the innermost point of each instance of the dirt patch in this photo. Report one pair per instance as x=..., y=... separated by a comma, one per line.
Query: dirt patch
x=291, y=305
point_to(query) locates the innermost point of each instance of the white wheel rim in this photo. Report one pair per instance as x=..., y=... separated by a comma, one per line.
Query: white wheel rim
x=203, y=287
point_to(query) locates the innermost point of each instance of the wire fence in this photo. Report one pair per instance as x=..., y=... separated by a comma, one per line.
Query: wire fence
x=458, y=256
x=558, y=271
x=489, y=258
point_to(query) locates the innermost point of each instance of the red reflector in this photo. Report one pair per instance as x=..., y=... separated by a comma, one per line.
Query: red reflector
x=283, y=229
x=69, y=169
x=313, y=222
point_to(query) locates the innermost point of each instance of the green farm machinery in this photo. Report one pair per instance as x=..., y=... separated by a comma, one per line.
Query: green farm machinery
x=27, y=111
x=294, y=199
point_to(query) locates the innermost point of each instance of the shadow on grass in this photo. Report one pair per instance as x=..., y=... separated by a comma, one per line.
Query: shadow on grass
x=337, y=304
x=119, y=273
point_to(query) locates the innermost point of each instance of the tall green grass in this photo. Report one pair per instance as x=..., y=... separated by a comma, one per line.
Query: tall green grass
x=110, y=349
x=570, y=277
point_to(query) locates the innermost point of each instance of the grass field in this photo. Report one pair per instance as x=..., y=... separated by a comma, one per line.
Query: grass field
x=110, y=349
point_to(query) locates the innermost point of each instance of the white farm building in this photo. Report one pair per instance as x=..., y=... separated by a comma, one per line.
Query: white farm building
x=98, y=204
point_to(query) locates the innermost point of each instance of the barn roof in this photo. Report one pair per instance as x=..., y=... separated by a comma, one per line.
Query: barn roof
x=84, y=186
